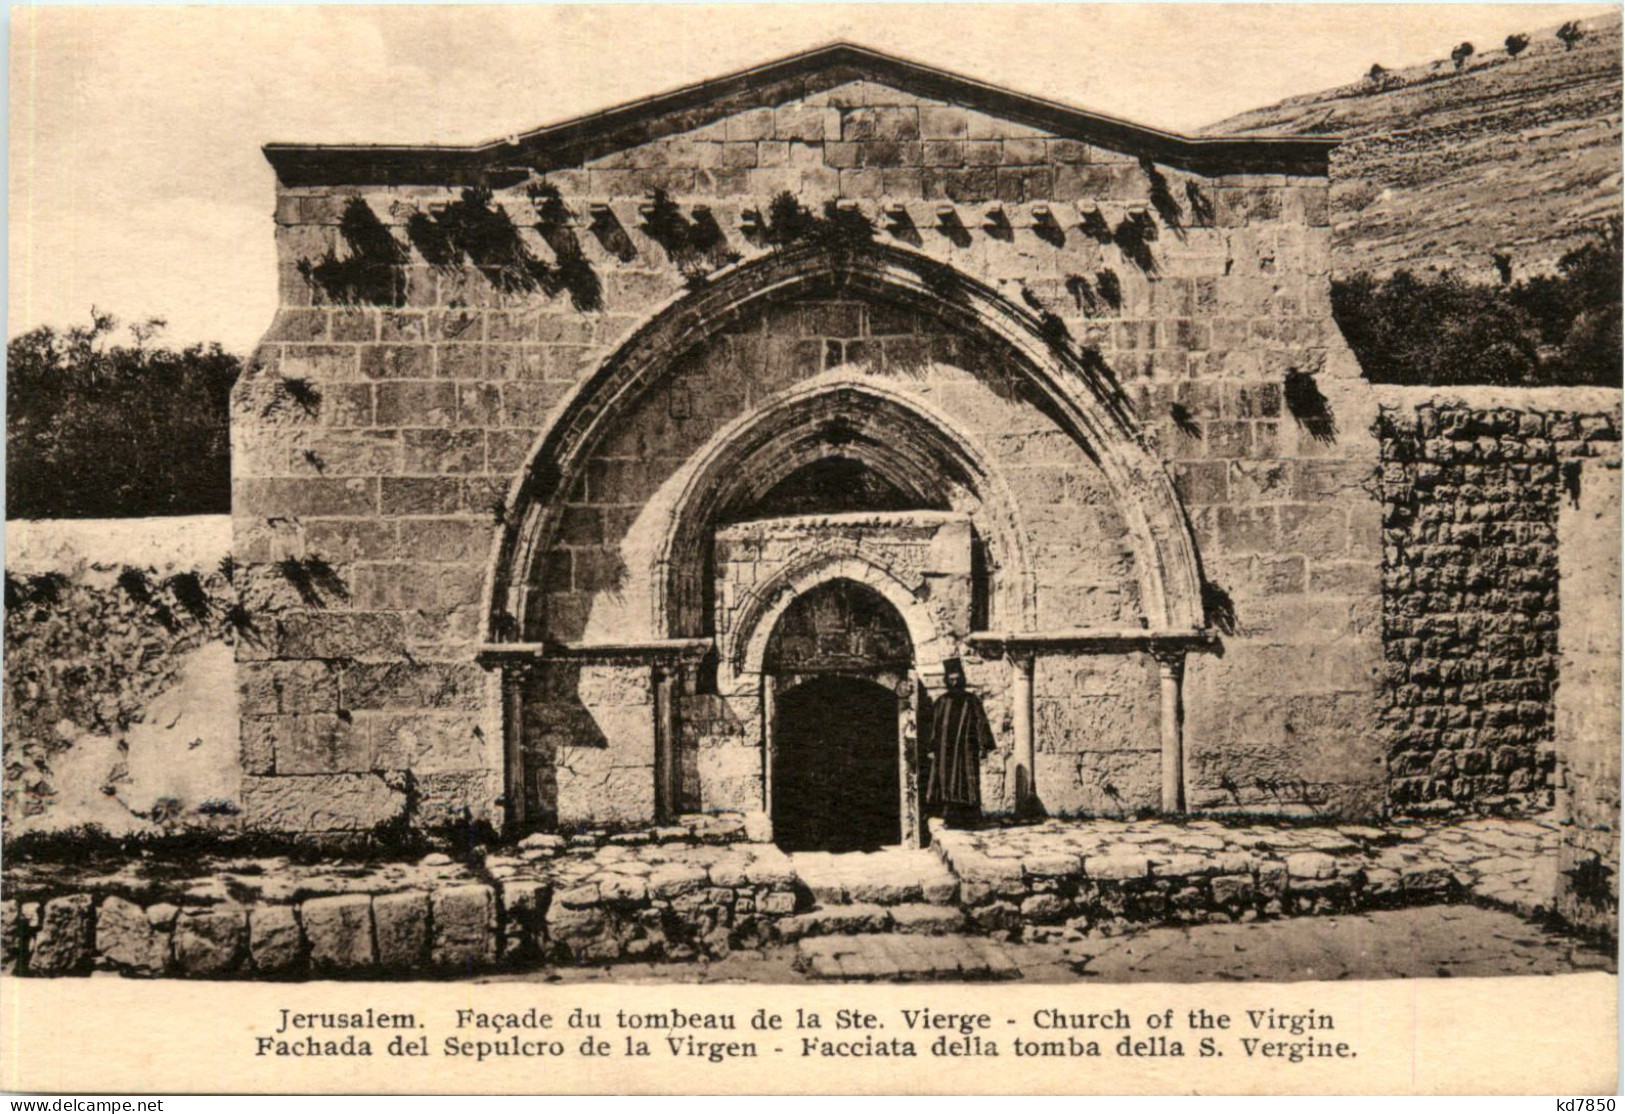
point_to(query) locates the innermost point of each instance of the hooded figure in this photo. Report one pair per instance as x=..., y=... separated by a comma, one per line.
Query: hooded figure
x=959, y=737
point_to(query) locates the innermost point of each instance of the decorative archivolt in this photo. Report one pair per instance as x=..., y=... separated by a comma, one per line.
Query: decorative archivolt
x=1080, y=394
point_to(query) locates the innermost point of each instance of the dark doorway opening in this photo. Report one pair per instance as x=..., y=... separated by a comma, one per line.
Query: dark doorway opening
x=835, y=766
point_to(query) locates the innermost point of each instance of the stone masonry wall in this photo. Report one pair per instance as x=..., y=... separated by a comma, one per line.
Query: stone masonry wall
x=414, y=364
x=1471, y=595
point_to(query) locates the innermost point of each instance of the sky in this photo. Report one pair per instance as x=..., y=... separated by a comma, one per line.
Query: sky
x=137, y=183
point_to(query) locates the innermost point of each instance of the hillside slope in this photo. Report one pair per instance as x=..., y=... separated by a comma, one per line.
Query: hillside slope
x=1440, y=169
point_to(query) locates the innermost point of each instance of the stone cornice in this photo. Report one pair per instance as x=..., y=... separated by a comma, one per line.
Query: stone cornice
x=1094, y=640
x=597, y=134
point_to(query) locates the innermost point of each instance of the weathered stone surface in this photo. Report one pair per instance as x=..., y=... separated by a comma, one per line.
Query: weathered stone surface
x=1043, y=909
x=1307, y=865
x=127, y=940
x=834, y=919
x=930, y=920
x=337, y=802
x=581, y=935
x=401, y=928
x=10, y=932
x=1229, y=889
x=63, y=942
x=779, y=903
x=524, y=917
x=675, y=880
x=339, y=931
x=463, y=919
x=210, y=941
x=1117, y=867
x=274, y=940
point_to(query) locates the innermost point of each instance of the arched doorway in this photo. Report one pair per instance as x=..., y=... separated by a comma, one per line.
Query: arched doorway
x=835, y=780
x=836, y=668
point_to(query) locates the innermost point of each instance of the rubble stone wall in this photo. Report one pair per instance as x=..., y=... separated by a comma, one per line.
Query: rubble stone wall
x=1473, y=483
x=120, y=695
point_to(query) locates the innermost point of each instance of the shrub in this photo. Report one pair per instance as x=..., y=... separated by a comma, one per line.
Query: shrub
x=1569, y=34
x=96, y=429
x=1516, y=45
x=1441, y=329
x=1460, y=55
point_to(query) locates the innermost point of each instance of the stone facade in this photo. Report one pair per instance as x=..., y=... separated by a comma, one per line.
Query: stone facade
x=514, y=395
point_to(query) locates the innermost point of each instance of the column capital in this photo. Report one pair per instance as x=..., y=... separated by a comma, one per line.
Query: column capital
x=1170, y=659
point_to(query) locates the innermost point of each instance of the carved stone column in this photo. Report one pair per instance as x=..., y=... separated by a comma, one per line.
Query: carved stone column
x=1026, y=787
x=1171, y=665
x=513, y=743
x=668, y=783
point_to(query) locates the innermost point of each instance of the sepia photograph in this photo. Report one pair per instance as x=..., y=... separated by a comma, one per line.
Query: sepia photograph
x=563, y=500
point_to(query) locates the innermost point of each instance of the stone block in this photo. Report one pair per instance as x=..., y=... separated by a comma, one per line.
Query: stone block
x=1052, y=865
x=1233, y=889
x=1310, y=865
x=1272, y=878
x=210, y=941
x=1043, y=909
x=834, y=920
x=524, y=916
x=581, y=935
x=401, y=929
x=339, y=930
x=351, y=802
x=63, y=943
x=11, y=939
x=464, y=926
x=779, y=903
x=275, y=943
x=1381, y=883
x=927, y=920
x=1117, y=867
x=127, y=940
x=628, y=889
x=676, y=879
x=1426, y=878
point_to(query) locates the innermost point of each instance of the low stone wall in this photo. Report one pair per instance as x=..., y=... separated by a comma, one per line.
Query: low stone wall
x=667, y=894
x=1148, y=872
x=1472, y=481
x=121, y=693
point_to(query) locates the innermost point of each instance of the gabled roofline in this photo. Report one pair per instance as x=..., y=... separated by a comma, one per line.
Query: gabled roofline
x=591, y=136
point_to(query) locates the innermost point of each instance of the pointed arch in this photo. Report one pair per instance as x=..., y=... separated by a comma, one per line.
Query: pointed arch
x=1080, y=392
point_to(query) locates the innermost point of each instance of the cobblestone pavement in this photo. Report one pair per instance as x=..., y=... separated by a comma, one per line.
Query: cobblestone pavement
x=1437, y=941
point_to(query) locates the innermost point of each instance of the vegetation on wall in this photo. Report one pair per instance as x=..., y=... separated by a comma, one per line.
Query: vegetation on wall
x=98, y=429
x=1441, y=329
x=370, y=273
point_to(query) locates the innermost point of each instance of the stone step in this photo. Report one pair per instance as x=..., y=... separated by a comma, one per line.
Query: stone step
x=835, y=920
x=895, y=876
x=927, y=920
x=904, y=957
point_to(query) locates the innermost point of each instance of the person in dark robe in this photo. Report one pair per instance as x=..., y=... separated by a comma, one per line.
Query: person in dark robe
x=960, y=735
